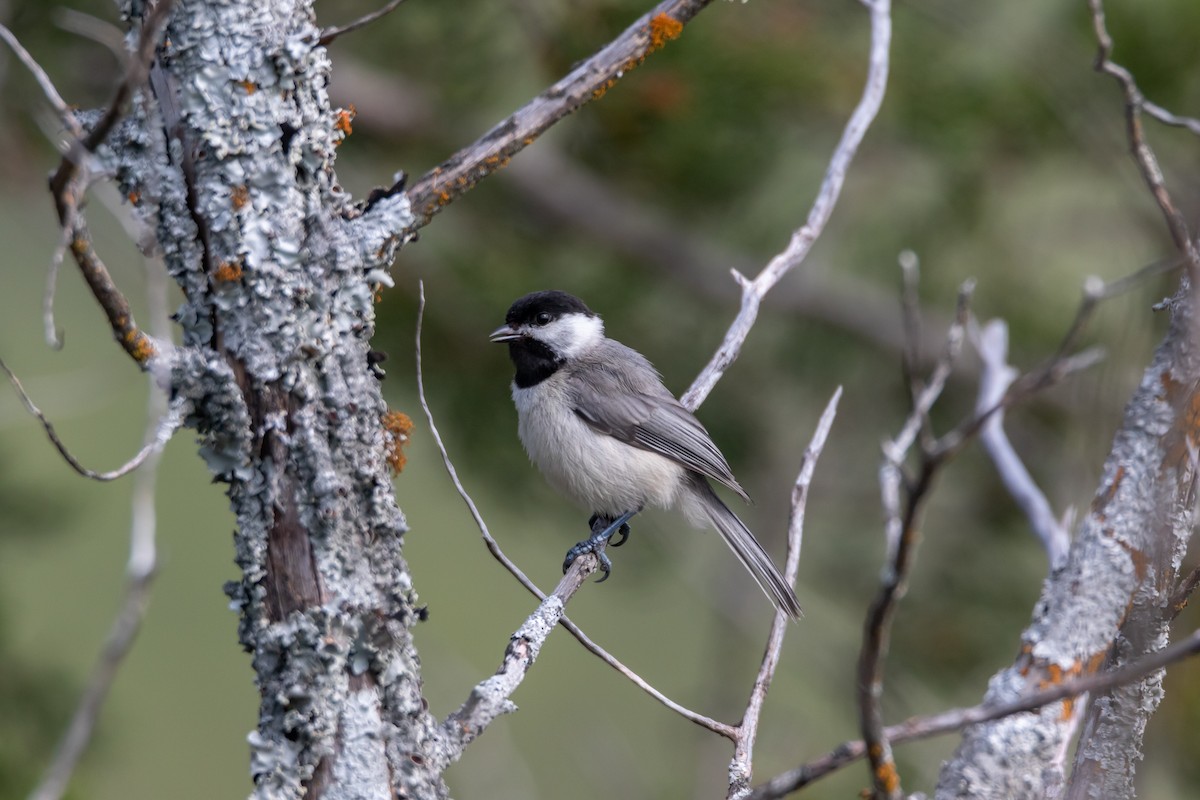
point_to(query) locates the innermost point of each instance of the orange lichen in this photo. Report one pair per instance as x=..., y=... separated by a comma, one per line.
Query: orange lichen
x=342, y=122
x=133, y=197
x=887, y=777
x=1068, y=708
x=250, y=87
x=138, y=345
x=227, y=271
x=663, y=28
x=396, y=429
x=240, y=197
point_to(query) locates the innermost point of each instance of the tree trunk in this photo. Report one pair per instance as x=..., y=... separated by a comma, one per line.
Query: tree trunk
x=230, y=156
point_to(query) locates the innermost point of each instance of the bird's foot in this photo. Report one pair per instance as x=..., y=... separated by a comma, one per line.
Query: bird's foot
x=593, y=544
x=603, y=530
x=600, y=522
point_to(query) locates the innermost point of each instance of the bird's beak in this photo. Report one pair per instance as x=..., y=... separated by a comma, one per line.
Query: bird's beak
x=505, y=333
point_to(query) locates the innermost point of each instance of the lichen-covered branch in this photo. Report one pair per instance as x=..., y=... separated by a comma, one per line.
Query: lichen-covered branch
x=489, y=698
x=588, y=81
x=1114, y=589
x=927, y=726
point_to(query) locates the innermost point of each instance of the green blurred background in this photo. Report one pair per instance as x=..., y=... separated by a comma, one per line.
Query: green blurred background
x=998, y=155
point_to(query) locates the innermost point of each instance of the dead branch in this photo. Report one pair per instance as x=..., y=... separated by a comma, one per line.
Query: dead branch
x=1143, y=154
x=741, y=767
x=329, y=34
x=991, y=342
x=140, y=572
x=924, y=727
x=803, y=238
x=164, y=429
x=901, y=531
x=589, y=80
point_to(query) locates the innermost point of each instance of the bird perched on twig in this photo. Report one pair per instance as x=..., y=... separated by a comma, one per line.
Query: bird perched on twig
x=598, y=422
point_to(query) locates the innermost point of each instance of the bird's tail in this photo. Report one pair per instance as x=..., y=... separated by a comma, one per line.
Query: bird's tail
x=743, y=544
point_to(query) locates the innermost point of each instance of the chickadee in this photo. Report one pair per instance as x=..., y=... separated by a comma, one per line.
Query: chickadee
x=598, y=422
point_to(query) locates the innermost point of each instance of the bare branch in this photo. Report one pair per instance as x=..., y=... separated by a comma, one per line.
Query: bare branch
x=329, y=34
x=165, y=428
x=67, y=188
x=803, y=239
x=91, y=27
x=494, y=548
x=741, y=767
x=901, y=533
x=47, y=86
x=120, y=638
x=136, y=70
x=1135, y=104
x=140, y=572
x=924, y=727
x=589, y=80
x=1183, y=593
x=991, y=342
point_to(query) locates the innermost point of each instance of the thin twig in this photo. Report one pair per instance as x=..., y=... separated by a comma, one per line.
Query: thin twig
x=67, y=188
x=741, y=767
x=803, y=238
x=901, y=532
x=71, y=124
x=991, y=342
x=329, y=34
x=587, y=81
x=165, y=428
x=47, y=86
x=493, y=547
x=1135, y=104
x=924, y=727
x=140, y=571
x=136, y=69
x=1183, y=593
x=79, y=733
x=910, y=313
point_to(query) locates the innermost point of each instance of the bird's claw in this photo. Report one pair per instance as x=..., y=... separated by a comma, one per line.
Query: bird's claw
x=604, y=531
x=590, y=545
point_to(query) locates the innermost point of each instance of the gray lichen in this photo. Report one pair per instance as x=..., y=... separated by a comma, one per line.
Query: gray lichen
x=230, y=157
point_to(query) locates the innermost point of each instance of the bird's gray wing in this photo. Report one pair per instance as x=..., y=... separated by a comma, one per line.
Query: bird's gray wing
x=632, y=405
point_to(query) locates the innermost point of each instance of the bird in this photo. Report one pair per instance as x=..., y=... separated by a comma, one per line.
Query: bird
x=596, y=419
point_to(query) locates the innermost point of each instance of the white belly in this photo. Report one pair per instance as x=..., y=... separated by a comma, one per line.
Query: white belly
x=603, y=475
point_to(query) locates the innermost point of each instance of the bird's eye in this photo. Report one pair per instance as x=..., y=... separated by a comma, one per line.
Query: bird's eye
x=543, y=318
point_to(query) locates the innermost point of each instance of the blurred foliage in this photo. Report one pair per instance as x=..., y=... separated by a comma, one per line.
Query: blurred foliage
x=999, y=155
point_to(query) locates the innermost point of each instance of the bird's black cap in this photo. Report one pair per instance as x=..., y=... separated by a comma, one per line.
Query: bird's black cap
x=551, y=301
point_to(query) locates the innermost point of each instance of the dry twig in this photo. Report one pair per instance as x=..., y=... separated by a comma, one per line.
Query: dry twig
x=924, y=727
x=589, y=80
x=1135, y=105
x=901, y=530
x=741, y=766
x=991, y=342
x=803, y=238
x=164, y=429
x=140, y=572
x=329, y=34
